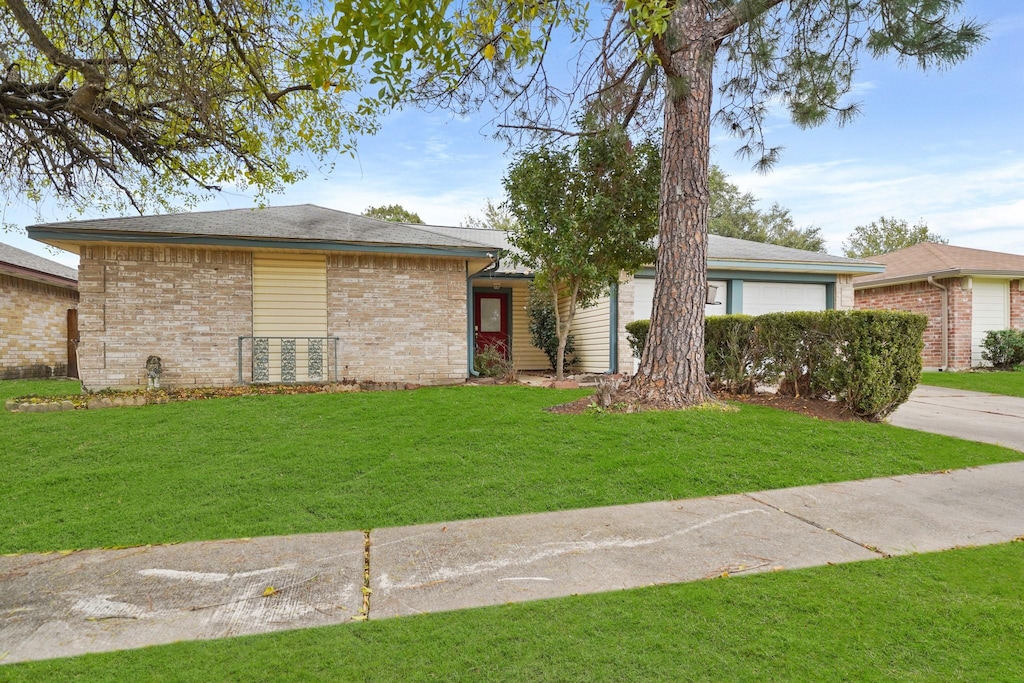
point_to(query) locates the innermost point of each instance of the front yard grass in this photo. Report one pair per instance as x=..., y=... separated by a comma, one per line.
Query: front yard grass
x=952, y=616
x=992, y=382
x=264, y=465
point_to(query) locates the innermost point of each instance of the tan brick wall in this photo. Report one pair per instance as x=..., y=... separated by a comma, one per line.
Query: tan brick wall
x=398, y=318
x=627, y=302
x=186, y=305
x=33, y=328
x=921, y=297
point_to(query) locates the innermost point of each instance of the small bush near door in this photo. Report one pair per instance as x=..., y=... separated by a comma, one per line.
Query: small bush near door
x=494, y=361
x=541, y=311
x=1004, y=349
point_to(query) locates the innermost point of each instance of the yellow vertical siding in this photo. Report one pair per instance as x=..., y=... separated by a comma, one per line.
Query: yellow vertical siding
x=591, y=336
x=525, y=356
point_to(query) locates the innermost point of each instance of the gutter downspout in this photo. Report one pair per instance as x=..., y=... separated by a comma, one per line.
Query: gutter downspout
x=470, y=341
x=943, y=322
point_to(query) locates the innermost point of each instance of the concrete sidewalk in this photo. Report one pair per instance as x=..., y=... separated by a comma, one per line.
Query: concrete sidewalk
x=97, y=600
x=971, y=415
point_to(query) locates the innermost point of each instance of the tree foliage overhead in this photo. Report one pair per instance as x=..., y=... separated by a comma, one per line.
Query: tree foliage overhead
x=583, y=215
x=734, y=213
x=887, y=235
x=494, y=217
x=691, y=61
x=394, y=213
x=147, y=103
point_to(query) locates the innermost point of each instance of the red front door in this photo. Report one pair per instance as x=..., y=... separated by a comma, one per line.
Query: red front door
x=490, y=321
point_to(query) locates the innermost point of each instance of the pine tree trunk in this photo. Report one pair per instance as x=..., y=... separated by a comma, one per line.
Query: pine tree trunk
x=671, y=373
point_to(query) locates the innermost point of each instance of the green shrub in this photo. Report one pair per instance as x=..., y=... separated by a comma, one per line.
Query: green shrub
x=873, y=360
x=541, y=311
x=868, y=360
x=494, y=361
x=1004, y=349
x=636, y=334
x=732, y=358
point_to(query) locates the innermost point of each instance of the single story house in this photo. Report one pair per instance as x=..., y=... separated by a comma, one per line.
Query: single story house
x=304, y=293
x=38, y=302
x=964, y=292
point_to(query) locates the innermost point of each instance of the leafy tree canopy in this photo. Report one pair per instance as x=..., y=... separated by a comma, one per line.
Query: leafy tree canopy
x=583, y=215
x=395, y=213
x=733, y=213
x=494, y=217
x=149, y=104
x=887, y=235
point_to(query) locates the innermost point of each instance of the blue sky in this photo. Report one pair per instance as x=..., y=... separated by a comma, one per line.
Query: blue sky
x=945, y=147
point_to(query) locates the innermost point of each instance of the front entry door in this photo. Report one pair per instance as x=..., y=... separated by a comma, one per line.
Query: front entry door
x=490, y=311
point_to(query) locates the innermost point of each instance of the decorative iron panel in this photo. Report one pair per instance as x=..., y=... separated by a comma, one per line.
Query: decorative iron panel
x=315, y=360
x=287, y=360
x=261, y=359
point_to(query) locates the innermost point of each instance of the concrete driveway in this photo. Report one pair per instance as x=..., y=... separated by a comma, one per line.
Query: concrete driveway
x=971, y=415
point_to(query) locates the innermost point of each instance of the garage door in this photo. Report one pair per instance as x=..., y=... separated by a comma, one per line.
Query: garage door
x=779, y=297
x=991, y=311
x=643, y=300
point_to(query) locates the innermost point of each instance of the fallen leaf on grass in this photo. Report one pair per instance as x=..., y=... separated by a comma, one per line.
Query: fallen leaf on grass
x=269, y=591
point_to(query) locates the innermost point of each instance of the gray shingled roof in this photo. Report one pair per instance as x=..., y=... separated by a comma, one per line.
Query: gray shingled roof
x=304, y=222
x=22, y=259
x=730, y=248
x=309, y=223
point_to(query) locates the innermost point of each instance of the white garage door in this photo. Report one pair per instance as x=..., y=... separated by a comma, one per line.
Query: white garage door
x=991, y=311
x=643, y=300
x=779, y=297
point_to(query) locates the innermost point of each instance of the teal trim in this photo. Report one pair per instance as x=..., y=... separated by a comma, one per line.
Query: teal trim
x=470, y=310
x=830, y=296
x=613, y=314
x=175, y=240
x=645, y=273
x=753, y=276
x=787, y=267
x=734, y=297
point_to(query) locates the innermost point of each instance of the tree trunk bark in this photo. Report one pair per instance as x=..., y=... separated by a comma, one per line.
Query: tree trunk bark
x=671, y=373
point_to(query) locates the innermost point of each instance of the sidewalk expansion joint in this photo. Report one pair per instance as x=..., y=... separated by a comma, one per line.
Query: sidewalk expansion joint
x=364, y=611
x=816, y=525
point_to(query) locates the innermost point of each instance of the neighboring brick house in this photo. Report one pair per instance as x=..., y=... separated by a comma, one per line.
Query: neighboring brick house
x=304, y=293
x=36, y=295
x=964, y=292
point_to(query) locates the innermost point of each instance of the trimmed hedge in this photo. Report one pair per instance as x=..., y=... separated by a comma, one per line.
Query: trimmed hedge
x=869, y=361
x=733, y=359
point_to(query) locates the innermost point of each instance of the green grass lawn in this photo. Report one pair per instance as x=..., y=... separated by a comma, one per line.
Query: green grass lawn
x=952, y=616
x=1005, y=383
x=261, y=465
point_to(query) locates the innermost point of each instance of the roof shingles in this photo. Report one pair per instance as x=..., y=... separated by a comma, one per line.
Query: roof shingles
x=929, y=259
x=25, y=260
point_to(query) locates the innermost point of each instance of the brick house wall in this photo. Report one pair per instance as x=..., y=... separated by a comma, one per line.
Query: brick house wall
x=33, y=328
x=186, y=305
x=398, y=318
x=1017, y=304
x=921, y=297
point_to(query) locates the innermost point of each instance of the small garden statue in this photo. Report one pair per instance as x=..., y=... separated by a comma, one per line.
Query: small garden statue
x=154, y=368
